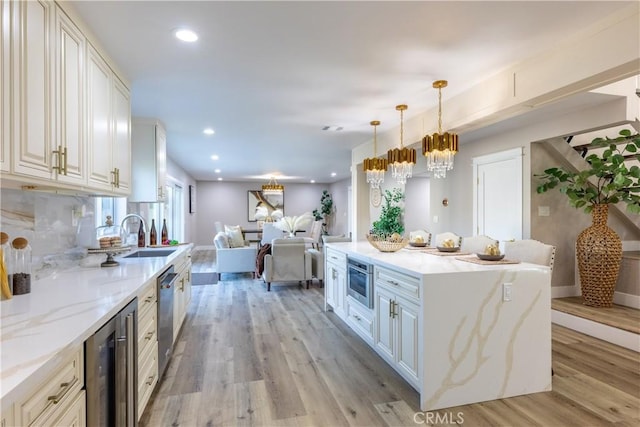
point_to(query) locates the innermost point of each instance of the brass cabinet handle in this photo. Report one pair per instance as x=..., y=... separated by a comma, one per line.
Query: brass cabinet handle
x=64, y=387
x=395, y=311
x=148, y=336
x=59, y=160
x=114, y=180
x=390, y=308
x=394, y=283
x=149, y=298
x=357, y=317
x=117, y=177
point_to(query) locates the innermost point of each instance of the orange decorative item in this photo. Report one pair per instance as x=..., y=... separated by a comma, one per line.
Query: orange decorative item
x=599, y=251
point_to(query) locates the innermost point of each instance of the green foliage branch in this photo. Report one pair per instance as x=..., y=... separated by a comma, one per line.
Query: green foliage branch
x=612, y=182
x=390, y=220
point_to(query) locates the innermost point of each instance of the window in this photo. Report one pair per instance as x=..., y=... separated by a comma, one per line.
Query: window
x=115, y=207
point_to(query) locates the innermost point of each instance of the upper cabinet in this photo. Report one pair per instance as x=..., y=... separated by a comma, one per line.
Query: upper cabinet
x=108, y=127
x=56, y=102
x=149, y=152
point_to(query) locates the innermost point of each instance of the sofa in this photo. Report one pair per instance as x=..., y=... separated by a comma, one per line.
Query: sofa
x=237, y=259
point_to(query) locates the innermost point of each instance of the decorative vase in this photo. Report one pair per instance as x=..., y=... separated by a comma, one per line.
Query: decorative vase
x=599, y=251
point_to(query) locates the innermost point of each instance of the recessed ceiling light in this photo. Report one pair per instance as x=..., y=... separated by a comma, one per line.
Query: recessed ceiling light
x=217, y=171
x=313, y=181
x=220, y=179
x=215, y=157
x=209, y=131
x=333, y=174
x=186, y=35
x=333, y=128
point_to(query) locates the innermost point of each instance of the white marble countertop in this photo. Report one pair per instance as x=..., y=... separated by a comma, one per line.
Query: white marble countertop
x=414, y=262
x=62, y=311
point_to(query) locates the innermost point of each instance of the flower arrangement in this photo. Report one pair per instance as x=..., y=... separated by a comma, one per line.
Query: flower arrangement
x=291, y=224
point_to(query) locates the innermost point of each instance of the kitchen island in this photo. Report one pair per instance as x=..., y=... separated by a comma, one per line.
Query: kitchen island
x=457, y=331
x=42, y=329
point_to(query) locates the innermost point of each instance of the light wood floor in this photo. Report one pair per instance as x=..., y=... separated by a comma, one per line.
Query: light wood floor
x=247, y=357
x=618, y=316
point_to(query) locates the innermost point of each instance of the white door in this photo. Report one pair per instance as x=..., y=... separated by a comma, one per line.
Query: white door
x=498, y=195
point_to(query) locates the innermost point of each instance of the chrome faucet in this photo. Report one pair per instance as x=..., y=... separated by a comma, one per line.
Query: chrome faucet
x=133, y=215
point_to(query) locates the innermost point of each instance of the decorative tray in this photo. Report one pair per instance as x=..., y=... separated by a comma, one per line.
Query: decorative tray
x=445, y=249
x=486, y=257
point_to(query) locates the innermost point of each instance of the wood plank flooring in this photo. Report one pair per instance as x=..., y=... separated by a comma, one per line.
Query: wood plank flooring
x=248, y=357
x=618, y=316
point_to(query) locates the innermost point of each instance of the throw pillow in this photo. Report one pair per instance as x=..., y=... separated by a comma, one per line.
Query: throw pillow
x=234, y=233
x=221, y=241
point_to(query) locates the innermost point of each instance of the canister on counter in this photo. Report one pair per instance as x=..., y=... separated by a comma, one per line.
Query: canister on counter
x=21, y=266
x=5, y=262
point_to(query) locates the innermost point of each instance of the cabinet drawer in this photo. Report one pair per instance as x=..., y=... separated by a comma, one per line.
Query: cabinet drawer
x=361, y=319
x=147, y=378
x=58, y=390
x=397, y=282
x=339, y=258
x=147, y=331
x=147, y=299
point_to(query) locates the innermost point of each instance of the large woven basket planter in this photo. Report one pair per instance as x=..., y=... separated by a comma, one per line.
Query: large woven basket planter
x=599, y=252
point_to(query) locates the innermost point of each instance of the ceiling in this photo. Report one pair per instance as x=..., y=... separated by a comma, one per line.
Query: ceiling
x=268, y=76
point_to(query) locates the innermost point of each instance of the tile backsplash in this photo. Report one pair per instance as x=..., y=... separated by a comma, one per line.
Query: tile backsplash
x=47, y=222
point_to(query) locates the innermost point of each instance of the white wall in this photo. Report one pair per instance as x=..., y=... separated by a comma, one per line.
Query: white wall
x=176, y=173
x=339, y=191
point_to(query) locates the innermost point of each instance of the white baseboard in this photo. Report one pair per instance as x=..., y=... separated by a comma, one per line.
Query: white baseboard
x=627, y=300
x=564, y=291
x=610, y=334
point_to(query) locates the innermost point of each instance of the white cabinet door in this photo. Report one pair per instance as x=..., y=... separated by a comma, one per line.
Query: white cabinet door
x=330, y=277
x=5, y=81
x=99, y=138
x=69, y=144
x=148, y=148
x=121, y=136
x=341, y=292
x=32, y=82
x=384, y=332
x=76, y=415
x=407, y=333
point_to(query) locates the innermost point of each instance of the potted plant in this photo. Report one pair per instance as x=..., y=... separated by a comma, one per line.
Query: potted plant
x=326, y=209
x=606, y=180
x=387, y=232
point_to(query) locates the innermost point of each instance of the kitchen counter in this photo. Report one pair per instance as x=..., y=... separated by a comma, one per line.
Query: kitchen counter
x=459, y=332
x=62, y=311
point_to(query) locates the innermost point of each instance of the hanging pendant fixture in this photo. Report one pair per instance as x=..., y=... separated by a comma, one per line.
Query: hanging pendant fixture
x=375, y=167
x=272, y=188
x=401, y=160
x=440, y=148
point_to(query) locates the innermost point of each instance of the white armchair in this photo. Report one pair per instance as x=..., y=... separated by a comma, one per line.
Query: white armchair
x=288, y=261
x=234, y=260
x=440, y=238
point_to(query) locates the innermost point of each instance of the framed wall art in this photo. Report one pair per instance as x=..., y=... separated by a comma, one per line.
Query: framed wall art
x=264, y=207
x=192, y=199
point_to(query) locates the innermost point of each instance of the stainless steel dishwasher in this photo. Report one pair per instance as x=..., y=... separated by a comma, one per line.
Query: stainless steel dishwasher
x=165, y=317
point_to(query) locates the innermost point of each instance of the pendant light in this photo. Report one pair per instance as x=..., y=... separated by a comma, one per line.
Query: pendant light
x=401, y=160
x=440, y=148
x=272, y=188
x=375, y=167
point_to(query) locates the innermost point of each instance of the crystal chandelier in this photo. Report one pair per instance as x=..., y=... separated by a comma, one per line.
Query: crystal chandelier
x=440, y=148
x=272, y=188
x=375, y=167
x=401, y=159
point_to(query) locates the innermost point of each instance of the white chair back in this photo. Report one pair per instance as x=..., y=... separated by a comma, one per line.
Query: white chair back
x=447, y=235
x=270, y=232
x=477, y=244
x=219, y=227
x=529, y=250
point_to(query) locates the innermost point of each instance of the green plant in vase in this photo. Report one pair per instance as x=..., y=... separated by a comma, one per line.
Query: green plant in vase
x=326, y=209
x=606, y=180
x=390, y=222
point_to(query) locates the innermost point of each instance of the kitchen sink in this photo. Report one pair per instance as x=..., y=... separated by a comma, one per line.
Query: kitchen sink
x=151, y=253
